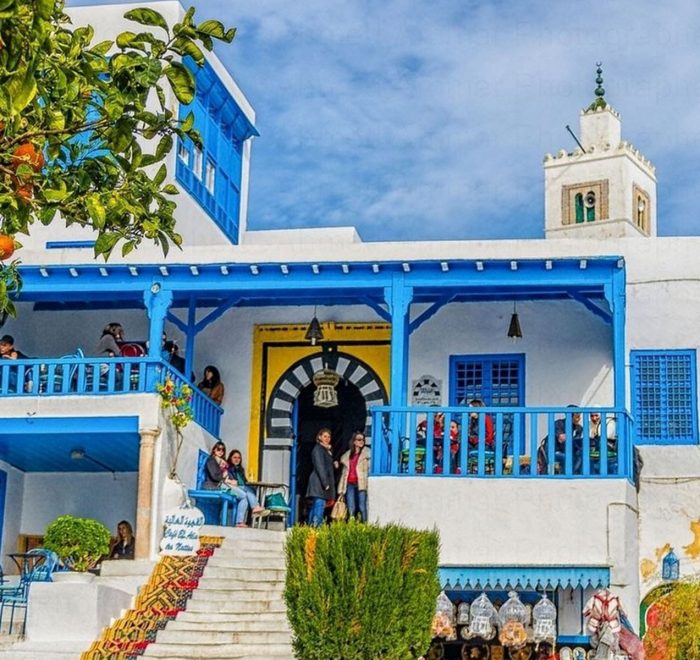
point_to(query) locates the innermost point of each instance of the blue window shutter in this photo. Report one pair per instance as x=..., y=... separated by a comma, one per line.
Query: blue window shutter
x=664, y=396
x=498, y=380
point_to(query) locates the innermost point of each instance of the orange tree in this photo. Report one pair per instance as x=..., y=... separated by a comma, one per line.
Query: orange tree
x=85, y=127
x=674, y=624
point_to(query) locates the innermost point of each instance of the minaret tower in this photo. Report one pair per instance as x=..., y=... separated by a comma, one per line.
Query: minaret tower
x=605, y=188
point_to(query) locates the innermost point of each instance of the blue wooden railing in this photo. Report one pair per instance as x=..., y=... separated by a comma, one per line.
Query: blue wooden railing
x=75, y=376
x=501, y=442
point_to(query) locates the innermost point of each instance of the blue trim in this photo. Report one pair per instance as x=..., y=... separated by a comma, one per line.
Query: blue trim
x=61, y=245
x=487, y=361
x=664, y=396
x=68, y=425
x=461, y=578
x=3, y=493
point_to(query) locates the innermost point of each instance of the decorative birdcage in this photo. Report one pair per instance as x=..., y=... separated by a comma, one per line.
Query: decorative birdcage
x=544, y=615
x=444, y=619
x=482, y=621
x=512, y=618
x=463, y=613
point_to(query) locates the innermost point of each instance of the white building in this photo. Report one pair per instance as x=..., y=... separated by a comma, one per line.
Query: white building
x=608, y=316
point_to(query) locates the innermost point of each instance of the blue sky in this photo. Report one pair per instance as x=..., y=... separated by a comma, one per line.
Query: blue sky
x=429, y=120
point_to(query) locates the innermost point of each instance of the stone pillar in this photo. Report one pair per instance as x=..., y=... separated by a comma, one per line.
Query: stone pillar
x=144, y=497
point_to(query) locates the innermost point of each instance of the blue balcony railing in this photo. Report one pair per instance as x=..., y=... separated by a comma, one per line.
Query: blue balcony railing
x=502, y=442
x=97, y=376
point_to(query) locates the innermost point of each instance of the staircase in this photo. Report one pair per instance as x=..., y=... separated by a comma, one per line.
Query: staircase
x=237, y=611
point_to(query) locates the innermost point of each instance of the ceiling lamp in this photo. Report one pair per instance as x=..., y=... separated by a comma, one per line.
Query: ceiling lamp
x=313, y=332
x=514, y=331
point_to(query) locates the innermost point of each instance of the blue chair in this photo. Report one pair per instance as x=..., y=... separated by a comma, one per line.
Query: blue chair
x=218, y=506
x=39, y=564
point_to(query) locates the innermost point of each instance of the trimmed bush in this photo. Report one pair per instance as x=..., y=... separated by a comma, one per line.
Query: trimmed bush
x=78, y=542
x=360, y=592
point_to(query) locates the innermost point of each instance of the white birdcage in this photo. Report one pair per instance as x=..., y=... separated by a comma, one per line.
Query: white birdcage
x=444, y=619
x=544, y=615
x=482, y=618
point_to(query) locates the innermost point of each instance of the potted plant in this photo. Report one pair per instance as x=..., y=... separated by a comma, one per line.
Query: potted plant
x=78, y=542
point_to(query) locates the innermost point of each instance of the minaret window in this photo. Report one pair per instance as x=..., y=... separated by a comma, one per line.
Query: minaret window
x=578, y=201
x=640, y=209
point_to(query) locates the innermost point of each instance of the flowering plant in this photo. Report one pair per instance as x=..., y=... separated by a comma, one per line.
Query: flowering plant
x=176, y=399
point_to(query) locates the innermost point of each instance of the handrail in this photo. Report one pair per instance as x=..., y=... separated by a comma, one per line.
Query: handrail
x=99, y=376
x=508, y=441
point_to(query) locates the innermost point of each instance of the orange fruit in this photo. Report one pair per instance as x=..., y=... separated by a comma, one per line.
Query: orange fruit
x=27, y=153
x=7, y=246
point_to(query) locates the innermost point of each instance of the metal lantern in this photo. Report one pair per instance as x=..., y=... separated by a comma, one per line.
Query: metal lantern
x=670, y=567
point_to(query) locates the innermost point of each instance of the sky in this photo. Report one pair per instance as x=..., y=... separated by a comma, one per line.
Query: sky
x=415, y=120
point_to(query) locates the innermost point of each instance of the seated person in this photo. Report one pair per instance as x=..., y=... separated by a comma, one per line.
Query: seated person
x=123, y=547
x=216, y=477
x=489, y=435
x=438, y=428
x=596, y=433
x=454, y=449
x=560, y=446
x=112, y=336
x=211, y=384
x=236, y=473
x=8, y=351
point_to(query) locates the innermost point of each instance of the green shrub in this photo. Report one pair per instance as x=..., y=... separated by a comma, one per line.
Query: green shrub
x=78, y=542
x=360, y=592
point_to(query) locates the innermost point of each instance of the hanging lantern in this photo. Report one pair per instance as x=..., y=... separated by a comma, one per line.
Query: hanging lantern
x=444, y=619
x=670, y=567
x=482, y=618
x=544, y=615
x=325, y=395
x=512, y=618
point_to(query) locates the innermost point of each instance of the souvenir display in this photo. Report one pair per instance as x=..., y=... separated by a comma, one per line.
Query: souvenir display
x=444, y=619
x=482, y=618
x=544, y=615
x=463, y=614
x=512, y=618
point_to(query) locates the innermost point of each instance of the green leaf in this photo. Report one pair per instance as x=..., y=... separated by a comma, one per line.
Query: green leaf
x=125, y=39
x=45, y=8
x=96, y=210
x=102, y=48
x=184, y=46
x=160, y=175
x=171, y=189
x=26, y=92
x=181, y=81
x=147, y=17
x=105, y=244
x=165, y=146
x=212, y=28
x=55, y=195
x=188, y=122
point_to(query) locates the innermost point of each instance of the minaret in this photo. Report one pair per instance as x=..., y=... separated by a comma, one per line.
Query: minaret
x=605, y=188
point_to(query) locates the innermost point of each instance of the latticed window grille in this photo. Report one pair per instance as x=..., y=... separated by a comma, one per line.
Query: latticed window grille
x=664, y=396
x=496, y=380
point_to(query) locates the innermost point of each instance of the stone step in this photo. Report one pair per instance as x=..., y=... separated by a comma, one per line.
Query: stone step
x=242, y=616
x=243, y=533
x=248, y=561
x=244, y=575
x=196, y=651
x=207, y=583
x=58, y=650
x=236, y=595
x=260, y=627
x=235, y=606
x=252, y=548
x=217, y=637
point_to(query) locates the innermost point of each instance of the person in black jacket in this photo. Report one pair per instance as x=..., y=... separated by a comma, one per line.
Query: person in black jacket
x=321, y=486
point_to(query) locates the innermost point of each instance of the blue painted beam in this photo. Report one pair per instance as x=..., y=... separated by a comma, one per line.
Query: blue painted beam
x=591, y=306
x=157, y=301
x=398, y=297
x=69, y=425
x=429, y=313
x=473, y=577
x=216, y=314
x=190, y=335
x=381, y=312
x=179, y=324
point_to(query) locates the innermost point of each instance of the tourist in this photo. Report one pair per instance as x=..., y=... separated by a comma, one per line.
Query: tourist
x=216, y=477
x=474, y=423
x=123, y=547
x=211, y=384
x=112, y=336
x=8, y=350
x=560, y=442
x=595, y=432
x=171, y=353
x=321, y=486
x=236, y=473
x=353, y=478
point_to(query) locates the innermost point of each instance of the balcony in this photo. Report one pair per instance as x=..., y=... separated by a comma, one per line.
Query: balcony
x=77, y=375
x=502, y=442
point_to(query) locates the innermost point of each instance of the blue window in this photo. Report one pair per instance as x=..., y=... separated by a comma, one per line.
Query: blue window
x=498, y=380
x=664, y=397
x=212, y=174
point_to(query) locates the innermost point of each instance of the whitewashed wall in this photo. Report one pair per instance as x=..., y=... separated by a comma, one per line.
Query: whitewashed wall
x=12, y=515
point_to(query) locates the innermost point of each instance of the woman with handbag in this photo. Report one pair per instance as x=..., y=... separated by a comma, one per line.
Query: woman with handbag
x=321, y=486
x=354, y=476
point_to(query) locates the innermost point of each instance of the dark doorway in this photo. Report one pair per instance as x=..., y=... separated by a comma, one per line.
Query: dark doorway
x=348, y=416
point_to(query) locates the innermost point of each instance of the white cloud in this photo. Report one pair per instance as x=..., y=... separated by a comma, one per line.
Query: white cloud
x=430, y=120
